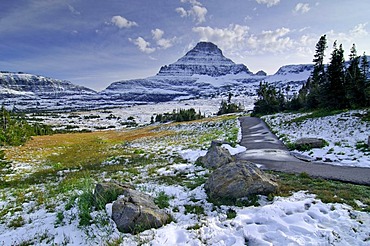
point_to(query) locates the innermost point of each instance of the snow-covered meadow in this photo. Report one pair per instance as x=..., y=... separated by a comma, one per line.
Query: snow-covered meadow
x=345, y=132
x=162, y=158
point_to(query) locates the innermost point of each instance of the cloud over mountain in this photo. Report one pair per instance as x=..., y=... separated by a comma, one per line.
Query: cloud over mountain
x=122, y=22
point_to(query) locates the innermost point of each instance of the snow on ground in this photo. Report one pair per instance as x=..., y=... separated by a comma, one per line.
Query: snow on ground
x=343, y=132
x=300, y=219
x=297, y=220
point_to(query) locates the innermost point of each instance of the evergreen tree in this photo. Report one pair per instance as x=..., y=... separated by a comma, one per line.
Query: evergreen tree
x=269, y=100
x=311, y=95
x=365, y=73
x=335, y=89
x=364, y=65
x=355, y=82
x=316, y=96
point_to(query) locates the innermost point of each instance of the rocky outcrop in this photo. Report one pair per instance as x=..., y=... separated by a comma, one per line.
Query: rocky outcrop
x=136, y=212
x=238, y=180
x=309, y=143
x=216, y=156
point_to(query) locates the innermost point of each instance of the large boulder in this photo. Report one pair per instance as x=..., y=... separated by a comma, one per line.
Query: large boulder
x=309, y=143
x=216, y=156
x=238, y=180
x=136, y=212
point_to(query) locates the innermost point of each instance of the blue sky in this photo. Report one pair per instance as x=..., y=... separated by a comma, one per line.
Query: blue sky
x=96, y=42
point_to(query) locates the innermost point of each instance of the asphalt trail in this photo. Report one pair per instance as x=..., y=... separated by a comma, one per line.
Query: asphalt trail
x=265, y=149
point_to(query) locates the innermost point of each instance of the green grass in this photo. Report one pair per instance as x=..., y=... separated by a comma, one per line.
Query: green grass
x=316, y=114
x=231, y=214
x=162, y=200
x=194, y=209
x=327, y=191
x=17, y=222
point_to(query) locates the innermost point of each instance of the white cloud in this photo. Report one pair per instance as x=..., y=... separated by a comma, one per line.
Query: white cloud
x=73, y=10
x=157, y=35
x=275, y=41
x=236, y=40
x=197, y=11
x=302, y=8
x=269, y=3
x=229, y=38
x=182, y=12
x=143, y=45
x=160, y=41
x=359, y=30
x=122, y=22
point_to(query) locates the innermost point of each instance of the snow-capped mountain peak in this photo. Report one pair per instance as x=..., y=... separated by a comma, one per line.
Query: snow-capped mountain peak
x=204, y=59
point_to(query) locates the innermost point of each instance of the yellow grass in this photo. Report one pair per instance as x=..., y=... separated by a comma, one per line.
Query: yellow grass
x=42, y=147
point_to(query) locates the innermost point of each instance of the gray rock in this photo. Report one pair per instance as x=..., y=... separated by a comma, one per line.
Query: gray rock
x=238, y=180
x=368, y=142
x=216, y=156
x=309, y=143
x=136, y=212
x=108, y=192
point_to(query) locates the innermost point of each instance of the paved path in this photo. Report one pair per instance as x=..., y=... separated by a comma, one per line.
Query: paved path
x=265, y=149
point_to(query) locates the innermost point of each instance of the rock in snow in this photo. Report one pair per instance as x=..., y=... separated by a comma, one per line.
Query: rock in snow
x=238, y=180
x=310, y=143
x=216, y=156
x=137, y=212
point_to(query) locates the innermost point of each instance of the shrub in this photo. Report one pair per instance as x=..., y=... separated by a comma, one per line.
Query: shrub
x=228, y=108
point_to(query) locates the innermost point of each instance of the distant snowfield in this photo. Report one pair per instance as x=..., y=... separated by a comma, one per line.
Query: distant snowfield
x=141, y=113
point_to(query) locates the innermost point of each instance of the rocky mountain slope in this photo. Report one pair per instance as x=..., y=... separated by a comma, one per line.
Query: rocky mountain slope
x=204, y=59
x=202, y=72
x=34, y=85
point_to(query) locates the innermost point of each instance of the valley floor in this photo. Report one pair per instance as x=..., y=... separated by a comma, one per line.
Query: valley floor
x=44, y=185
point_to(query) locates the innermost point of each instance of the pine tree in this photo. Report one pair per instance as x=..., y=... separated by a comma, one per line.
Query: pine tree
x=315, y=96
x=269, y=100
x=355, y=82
x=335, y=89
x=365, y=73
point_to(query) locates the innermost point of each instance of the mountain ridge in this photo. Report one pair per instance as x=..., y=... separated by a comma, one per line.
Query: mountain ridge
x=202, y=72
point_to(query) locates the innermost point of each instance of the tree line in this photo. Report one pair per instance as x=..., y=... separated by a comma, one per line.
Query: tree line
x=15, y=130
x=334, y=86
x=178, y=116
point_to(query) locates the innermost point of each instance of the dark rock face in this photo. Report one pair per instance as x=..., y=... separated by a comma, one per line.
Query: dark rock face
x=238, y=180
x=204, y=59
